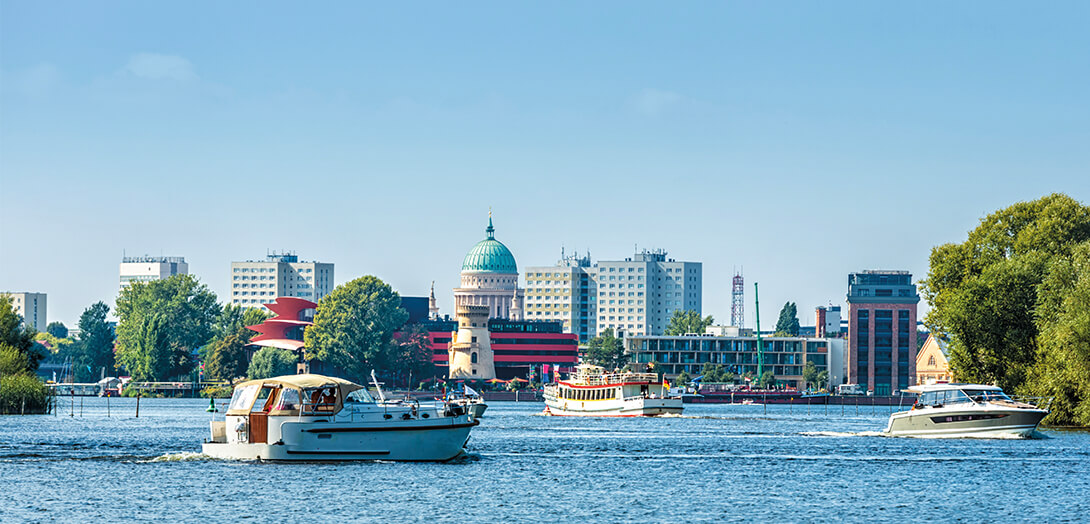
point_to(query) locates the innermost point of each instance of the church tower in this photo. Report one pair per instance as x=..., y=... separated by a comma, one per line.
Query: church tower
x=433, y=305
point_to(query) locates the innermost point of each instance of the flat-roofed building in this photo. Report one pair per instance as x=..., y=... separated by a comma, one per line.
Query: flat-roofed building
x=148, y=268
x=30, y=306
x=882, y=330
x=255, y=282
x=566, y=293
x=783, y=356
x=638, y=295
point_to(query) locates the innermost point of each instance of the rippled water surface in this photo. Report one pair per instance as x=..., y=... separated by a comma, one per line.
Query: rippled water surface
x=716, y=463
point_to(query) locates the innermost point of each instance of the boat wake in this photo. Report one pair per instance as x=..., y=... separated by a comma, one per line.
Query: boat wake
x=844, y=434
x=187, y=456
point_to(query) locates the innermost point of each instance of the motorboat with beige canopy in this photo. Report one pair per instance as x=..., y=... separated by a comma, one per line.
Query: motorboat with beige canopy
x=315, y=417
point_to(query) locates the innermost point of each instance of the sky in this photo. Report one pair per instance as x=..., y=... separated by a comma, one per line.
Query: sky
x=795, y=142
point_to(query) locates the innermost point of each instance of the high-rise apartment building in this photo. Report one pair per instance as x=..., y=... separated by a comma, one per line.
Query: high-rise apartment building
x=566, y=293
x=30, y=306
x=638, y=295
x=882, y=330
x=255, y=282
x=148, y=268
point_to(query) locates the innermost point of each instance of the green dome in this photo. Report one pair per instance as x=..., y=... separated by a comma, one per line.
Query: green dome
x=489, y=256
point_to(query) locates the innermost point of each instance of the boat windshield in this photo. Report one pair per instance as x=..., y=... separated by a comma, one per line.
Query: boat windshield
x=243, y=398
x=938, y=398
x=986, y=395
x=361, y=396
x=288, y=400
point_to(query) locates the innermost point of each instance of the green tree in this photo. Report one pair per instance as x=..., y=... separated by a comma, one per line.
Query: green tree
x=687, y=321
x=224, y=356
x=94, y=348
x=227, y=359
x=1062, y=366
x=234, y=319
x=606, y=350
x=823, y=380
x=19, y=336
x=354, y=326
x=57, y=329
x=413, y=358
x=271, y=362
x=810, y=374
x=683, y=379
x=162, y=323
x=788, y=324
x=767, y=380
x=984, y=292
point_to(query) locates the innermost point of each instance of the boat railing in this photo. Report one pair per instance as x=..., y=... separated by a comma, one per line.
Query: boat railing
x=1044, y=403
x=616, y=378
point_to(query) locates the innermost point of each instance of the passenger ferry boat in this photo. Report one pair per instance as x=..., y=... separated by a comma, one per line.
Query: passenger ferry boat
x=967, y=410
x=591, y=392
x=314, y=417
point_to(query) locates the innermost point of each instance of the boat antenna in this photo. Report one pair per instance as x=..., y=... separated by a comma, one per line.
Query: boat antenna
x=381, y=395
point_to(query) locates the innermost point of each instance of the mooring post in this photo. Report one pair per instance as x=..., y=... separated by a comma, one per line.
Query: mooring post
x=138, y=403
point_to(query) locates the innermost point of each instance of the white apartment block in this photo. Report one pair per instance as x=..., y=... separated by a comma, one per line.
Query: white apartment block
x=30, y=306
x=257, y=282
x=148, y=268
x=565, y=292
x=638, y=295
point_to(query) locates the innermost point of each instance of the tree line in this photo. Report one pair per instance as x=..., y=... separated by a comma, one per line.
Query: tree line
x=1013, y=299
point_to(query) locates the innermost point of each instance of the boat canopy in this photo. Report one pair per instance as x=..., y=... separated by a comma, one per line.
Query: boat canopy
x=924, y=388
x=303, y=383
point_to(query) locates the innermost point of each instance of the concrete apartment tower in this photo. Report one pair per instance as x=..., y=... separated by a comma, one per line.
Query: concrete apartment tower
x=565, y=292
x=470, y=354
x=257, y=282
x=30, y=306
x=638, y=295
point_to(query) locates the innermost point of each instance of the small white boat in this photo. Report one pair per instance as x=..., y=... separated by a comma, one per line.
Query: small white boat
x=967, y=410
x=314, y=417
x=591, y=392
x=471, y=400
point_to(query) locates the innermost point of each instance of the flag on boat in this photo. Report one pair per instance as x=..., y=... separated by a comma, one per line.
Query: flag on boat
x=665, y=384
x=470, y=392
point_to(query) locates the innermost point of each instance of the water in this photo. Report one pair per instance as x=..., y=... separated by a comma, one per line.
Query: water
x=717, y=463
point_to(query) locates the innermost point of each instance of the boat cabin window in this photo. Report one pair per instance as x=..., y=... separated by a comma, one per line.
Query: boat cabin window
x=323, y=399
x=288, y=400
x=243, y=398
x=361, y=396
x=986, y=395
x=263, y=400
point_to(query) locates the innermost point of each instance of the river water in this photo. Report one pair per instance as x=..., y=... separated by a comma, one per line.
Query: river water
x=716, y=463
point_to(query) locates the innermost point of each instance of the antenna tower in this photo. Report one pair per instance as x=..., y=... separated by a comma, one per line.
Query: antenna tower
x=737, y=301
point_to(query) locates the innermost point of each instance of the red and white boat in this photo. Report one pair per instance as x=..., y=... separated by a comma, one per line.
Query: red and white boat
x=592, y=392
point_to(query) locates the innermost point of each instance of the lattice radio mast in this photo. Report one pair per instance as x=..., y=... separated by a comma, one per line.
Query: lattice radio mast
x=737, y=301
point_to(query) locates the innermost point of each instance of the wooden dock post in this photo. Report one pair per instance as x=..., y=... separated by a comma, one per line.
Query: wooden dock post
x=138, y=403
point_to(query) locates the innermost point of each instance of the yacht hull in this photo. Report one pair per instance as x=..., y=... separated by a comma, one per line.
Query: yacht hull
x=427, y=442
x=967, y=423
x=640, y=407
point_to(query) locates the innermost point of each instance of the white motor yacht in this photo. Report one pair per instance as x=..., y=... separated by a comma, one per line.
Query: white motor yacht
x=470, y=399
x=314, y=417
x=967, y=410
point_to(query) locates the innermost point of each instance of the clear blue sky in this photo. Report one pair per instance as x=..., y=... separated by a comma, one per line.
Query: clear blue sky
x=798, y=140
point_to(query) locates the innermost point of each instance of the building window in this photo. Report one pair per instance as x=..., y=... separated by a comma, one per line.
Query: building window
x=931, y=360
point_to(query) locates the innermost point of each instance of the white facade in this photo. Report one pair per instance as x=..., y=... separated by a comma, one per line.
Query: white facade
x=148, y=268
x=255, y=283
x=498, y=291
x=638, y=295
x=30, y=306
x=566, y=292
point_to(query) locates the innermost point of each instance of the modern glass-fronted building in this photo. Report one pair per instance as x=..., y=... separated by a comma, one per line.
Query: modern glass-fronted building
x=783, y=356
